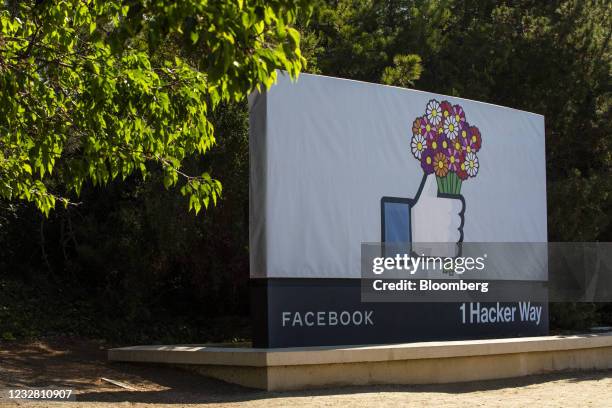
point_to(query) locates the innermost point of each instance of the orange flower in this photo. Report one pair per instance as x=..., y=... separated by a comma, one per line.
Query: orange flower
x=440, y=165
x=416, y=127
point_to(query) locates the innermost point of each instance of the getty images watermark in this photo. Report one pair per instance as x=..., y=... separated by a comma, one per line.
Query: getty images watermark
x=486, y=272
x=412, y=264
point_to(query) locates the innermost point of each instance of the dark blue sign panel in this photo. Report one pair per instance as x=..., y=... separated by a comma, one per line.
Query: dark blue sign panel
x=316, y=312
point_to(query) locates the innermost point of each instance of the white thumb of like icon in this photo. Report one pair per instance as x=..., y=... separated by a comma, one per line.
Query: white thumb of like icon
x=434, y=218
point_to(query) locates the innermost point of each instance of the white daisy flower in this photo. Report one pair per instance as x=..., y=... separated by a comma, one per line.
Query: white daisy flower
x=451, y=127
x=419, y=144
x=434, y=114
x=471, y=164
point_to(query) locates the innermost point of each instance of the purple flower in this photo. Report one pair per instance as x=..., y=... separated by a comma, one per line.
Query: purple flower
x=464, y=132
x=442, y=144
x=427, y=161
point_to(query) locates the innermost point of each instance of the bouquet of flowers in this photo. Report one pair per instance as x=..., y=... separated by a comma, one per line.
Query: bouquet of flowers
x=446, y=145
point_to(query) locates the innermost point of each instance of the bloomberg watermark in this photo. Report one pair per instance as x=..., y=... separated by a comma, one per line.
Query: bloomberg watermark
x=486, y=272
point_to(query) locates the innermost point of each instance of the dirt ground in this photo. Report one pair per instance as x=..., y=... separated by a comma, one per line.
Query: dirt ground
x=81, y=365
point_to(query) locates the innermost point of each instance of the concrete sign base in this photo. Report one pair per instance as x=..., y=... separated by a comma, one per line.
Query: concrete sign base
x=410, y=363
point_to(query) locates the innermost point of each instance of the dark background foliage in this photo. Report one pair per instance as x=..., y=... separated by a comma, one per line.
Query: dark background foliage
x=131, y=264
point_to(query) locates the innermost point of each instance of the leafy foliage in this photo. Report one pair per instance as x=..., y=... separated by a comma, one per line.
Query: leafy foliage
x=95, y=90
x=405, y=71
x=548, y=57
x=130, y=264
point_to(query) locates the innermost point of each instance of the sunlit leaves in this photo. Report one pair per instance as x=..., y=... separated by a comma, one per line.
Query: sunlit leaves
x=405, y=71
x=97, y=90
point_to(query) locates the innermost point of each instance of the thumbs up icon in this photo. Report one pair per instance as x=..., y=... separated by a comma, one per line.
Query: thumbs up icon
x=431, y=222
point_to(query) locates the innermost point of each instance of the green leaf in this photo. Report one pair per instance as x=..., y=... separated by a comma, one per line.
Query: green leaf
x=194, y=37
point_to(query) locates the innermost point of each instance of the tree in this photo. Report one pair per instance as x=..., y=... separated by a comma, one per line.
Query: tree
x=97, y=90
x=552, y=58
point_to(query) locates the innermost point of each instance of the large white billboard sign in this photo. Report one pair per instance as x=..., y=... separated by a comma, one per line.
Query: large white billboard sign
x=325, y=152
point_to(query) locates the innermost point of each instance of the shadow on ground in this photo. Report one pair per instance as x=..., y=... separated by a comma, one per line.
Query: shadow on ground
x=81, y=365
x=206, y=390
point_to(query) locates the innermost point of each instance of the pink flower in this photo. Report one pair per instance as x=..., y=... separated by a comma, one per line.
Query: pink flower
x=428, y=129
x=454, y=159
x=459, y=114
